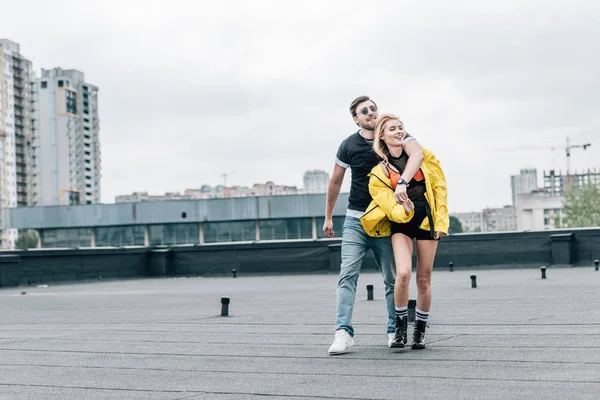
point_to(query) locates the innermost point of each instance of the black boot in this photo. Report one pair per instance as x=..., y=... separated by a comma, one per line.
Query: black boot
x=400, y=337
x=419, y=334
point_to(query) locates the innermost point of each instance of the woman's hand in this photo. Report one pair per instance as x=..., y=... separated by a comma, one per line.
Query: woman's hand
x=408, y=206
x=439, y=235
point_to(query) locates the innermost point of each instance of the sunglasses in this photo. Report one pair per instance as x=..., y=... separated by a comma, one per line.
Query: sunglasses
x=365, y=110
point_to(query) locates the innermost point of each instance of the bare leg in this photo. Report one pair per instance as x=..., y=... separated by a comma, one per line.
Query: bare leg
x=403, y=248
x=426, y=254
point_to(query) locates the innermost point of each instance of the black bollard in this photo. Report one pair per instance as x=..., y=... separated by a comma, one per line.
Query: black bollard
x=234, y=272
x=369, y=292
x=473, y=281
x=451, y=266
x=543, y=272
x=224, y=306
x=412, y=305
x=597, y=263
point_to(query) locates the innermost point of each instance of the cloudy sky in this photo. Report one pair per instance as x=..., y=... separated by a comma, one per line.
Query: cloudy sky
x=192, y=89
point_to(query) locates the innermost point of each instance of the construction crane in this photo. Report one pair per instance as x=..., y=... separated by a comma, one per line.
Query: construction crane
x=568, y=153
x=551, y=148
x=224, y=176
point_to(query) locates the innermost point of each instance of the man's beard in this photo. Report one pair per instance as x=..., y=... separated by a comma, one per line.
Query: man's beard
x=368, y=126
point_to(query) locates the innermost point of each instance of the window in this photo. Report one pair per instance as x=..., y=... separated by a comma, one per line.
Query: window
x=71, y=237
x=282, y=229
x=71, y=99
x=338, y=226
x=44, y=84
x=132, y=235
x=234, y=231
x=60, y=83
x=172, y=234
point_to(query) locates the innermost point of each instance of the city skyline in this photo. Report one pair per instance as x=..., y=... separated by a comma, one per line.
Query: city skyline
x=176, y=115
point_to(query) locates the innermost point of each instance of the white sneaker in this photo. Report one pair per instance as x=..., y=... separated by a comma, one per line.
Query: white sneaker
x=342, y=341
x=390, y=339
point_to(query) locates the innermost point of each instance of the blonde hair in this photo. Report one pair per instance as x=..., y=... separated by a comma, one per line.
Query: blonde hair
x=379, y=145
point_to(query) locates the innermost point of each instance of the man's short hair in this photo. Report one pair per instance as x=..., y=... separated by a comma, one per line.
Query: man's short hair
x=356, y=102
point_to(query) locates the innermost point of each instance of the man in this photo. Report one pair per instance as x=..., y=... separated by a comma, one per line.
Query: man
x=356, y=152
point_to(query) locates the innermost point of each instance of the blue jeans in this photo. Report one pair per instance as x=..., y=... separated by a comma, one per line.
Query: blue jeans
x=355, y=244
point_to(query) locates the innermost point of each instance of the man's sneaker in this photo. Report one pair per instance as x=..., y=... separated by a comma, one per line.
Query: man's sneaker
x=390, y=339
x=342, y=341
x=400, y=337
x=419, y=335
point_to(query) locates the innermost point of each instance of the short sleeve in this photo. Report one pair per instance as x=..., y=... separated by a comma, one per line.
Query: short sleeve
x=407, y=139
x=341, y=158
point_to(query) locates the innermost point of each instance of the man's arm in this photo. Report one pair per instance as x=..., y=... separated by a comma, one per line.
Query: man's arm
x=333, y=192
x=415, y=159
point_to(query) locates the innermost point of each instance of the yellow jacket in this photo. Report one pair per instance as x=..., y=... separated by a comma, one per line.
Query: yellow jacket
x=383, y=208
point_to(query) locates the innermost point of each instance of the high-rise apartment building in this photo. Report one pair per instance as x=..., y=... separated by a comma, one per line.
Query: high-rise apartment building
x=67, y=147
x=316, y=181
x=17, y=126
x=524, y=183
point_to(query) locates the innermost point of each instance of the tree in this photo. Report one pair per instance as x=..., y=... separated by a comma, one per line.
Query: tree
x=26, y=240
x=582, y=207
x=455, y=225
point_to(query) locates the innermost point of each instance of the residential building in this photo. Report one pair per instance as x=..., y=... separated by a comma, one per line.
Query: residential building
x=525, y=182
x=216, y=192
x=17, y=126
x=499, y=219
x=67, y=141
x=470, y=221
x=489, y=220
x=137, y=197
x=543, y=209
x=539, y=211
x=316, y=181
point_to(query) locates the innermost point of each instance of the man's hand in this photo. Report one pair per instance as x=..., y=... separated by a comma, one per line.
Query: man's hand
x=408, y=206
x=328, y=228
x=439, y=235
x=400, y=194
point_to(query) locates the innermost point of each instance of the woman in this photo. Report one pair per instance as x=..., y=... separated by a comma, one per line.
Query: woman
x=423, y=217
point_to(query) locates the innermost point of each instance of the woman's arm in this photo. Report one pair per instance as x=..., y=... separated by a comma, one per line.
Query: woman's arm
x=383, y=195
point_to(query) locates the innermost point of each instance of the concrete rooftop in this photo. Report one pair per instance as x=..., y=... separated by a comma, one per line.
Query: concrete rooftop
x=515, y=336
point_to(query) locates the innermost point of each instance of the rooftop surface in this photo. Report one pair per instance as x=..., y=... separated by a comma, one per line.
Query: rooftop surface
x=514, y=336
